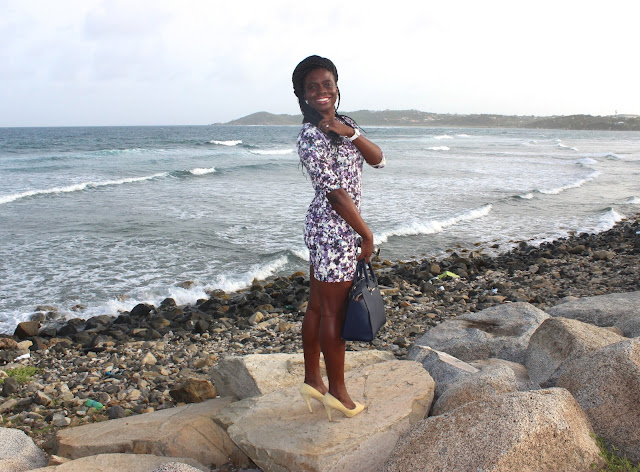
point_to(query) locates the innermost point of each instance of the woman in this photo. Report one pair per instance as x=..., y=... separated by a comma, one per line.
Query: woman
x=332, y=150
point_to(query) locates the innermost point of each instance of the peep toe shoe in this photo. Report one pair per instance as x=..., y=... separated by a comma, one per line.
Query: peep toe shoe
x=330, y=402
x=308, y=392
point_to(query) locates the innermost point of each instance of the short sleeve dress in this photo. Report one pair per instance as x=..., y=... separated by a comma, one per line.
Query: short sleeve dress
x=331, y=241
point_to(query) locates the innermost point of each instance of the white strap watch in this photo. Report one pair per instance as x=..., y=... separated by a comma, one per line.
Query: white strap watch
x=355, y=136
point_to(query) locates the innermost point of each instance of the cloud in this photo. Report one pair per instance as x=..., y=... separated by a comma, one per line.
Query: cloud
x=150, y=62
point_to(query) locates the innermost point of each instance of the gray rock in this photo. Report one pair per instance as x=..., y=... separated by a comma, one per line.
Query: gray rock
x=127, y=463
x=615, y=309
x=500, y=331
x=442, y=367
x=560, y=340
x=19, y=452
x=10, y=386
x=606, y=384
x=478, y=386
x=279, y=434
x=187, y=431
x=116, y=412
x=519, y=370
x=257, y=374
x=544, y=430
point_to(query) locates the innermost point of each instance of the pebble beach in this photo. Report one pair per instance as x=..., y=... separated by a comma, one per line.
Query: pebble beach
x=156, y=357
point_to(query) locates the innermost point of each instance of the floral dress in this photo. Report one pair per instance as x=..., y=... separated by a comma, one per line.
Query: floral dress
x=331, y=241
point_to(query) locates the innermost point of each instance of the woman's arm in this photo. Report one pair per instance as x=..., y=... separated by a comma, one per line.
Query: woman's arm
x=343, y=205
x=370, y=151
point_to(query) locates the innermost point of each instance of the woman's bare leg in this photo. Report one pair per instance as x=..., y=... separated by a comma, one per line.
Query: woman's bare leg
x=332, y=300
x=311, y=339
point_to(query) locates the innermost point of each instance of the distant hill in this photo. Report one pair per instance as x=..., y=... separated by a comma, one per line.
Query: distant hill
x=421, y=118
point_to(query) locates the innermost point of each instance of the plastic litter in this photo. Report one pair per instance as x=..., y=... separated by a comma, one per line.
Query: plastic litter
x=94, y=404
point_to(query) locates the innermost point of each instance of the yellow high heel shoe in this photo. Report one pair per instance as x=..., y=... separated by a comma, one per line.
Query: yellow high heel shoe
x=308, y=392
x=329, y=402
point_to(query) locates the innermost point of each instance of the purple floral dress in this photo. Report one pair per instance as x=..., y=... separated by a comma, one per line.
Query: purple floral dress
x=331, y=241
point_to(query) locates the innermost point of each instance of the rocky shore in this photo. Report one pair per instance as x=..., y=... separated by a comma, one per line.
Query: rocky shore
x=153, y=358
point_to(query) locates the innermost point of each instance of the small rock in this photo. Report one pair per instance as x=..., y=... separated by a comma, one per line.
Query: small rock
x=8, y=343
x=116, y=411
x=193, y=391
x=10, y=386
x=41, y=399
x=149, y=359
x=60, y=420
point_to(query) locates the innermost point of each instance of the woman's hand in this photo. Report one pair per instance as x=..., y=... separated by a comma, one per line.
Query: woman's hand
x=371, y=152
x=331, y=124
x=366, y=249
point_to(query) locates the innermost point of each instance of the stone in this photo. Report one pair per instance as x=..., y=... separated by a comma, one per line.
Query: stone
x=614, y=309
x=520, y=371
x=123, y=463
x=148, y=359
x=257, y=374
x=606, y=384
x=27, y=329
x=8, y=405
x=10, y=386
x=520, y=431
x=60, y=420
x=19, y=452
x=442, y=367
x=8, y=343
x=42, y=399
x=25, y=345
x=193, y=391
x=559, y=340
x=141, y=310
x=479, y=386
x=501, y=331
x=277, y=431
x=186, y=431
x=116, y=412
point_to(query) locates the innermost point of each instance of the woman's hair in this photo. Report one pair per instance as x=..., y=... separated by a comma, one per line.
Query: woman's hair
x=309, y=115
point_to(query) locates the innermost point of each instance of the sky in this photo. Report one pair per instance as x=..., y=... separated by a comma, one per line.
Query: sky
x=184, y=62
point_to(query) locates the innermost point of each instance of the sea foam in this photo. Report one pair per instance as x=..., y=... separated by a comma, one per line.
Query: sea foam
x=226, y=143
x=77, y=187
x=440, y=148
x=576, y=184
x=433, y=226
x=202, y=171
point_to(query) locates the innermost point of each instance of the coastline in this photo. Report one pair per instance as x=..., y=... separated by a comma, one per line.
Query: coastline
x=132, y=363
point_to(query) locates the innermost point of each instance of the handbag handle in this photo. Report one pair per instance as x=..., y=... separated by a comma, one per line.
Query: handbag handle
x=365, y=271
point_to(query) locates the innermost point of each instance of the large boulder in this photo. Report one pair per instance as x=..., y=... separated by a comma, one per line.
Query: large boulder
x=501, y=331
x=560, y=340
x=122, y=463
x=442, y=367
x=480, y=386
x=278, y=433
x=187, y=431
x=520, y=371
x=257, y=374
x=523, y=431
x=615, y=309
x=18, y=452
x=606, y=384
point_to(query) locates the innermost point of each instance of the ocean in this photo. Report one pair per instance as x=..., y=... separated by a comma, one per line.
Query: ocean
x=94, y=220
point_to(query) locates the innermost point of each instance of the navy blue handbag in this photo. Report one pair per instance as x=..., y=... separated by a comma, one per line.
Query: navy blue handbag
x=365, y=312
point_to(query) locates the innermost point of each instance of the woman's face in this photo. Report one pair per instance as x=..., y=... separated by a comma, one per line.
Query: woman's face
x=321, y=91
